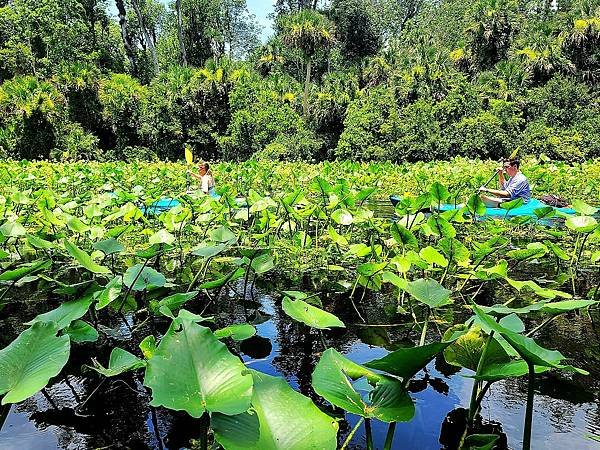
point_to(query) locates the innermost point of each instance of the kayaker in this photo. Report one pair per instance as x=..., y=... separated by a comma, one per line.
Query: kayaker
x=206, y=178
x=516, y=187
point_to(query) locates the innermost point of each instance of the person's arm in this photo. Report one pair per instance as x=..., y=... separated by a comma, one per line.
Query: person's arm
x=196, y=176
x=501, y=179
x=496, y=192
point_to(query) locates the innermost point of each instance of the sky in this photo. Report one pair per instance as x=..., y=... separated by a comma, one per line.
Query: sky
x=260, y=8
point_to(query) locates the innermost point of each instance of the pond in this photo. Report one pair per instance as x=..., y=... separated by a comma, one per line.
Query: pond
x=82, y=410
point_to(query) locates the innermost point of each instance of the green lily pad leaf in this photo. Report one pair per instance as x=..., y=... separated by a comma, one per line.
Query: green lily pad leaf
x=235, y=274
x=342, y=217
x=222, y=234
x=403, y=236
x=161, y=237
x=390, y=277
x=512, y=204
x=120, y=361
x=370, y=269
x=429, y=292
x=65, y=313
x=455, y=251
x=237, y=332
x=545, y=212
x=406, y=362
x=432, y=256
x=513, y=323
x=76, y=225
x=148, y=346
x=208, y=376
x=310, y=315
x=153, y=250
x=504, y=370
x=558, y=252
x=81, y=331
x=38, y=242
x=209, y=251
x=84, y=259
x=388, y=401
x=583, y=208
x=173, y=302
x=283, y=419
x=533, y=250
x=109, y=294
x=566, y=306
x=581, y=224
x=440, y=226
x=439, y=193
x=262, y=263
x=13, y=229
x=109, y=246
x=25, y=270
x=140, y=277
x=475, y=205
x=28, y=362
x=526, y=347
x=480, y=441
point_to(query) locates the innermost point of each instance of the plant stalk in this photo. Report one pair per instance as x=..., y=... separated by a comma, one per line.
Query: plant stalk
x=529, y=410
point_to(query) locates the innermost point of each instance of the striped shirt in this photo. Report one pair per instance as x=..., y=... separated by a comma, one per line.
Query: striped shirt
x=518, y=186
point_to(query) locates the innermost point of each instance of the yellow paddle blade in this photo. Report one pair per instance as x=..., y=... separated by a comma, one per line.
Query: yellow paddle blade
x=514, y=153
x=189, y=156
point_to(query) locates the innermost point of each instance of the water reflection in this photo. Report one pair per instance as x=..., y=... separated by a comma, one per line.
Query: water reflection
x=80, y=410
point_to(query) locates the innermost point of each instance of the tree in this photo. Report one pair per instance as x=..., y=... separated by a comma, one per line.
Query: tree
x=307, y=31
x=358, y=28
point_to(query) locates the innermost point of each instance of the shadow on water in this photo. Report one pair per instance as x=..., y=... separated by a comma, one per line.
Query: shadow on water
x=79, y=409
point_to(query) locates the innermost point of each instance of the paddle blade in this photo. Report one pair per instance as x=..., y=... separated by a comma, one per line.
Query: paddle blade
x=189, y=156
x=513, y=155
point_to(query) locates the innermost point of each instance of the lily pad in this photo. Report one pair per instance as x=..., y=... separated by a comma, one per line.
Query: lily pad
x=310, y=315
x=28, y=363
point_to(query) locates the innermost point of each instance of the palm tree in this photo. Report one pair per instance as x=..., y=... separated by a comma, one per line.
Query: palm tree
x=308, y=31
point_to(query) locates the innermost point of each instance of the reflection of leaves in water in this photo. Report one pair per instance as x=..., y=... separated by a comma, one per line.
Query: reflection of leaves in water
x=256, y=347
x=454, y=425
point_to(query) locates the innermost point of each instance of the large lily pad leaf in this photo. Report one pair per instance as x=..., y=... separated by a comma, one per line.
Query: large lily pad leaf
x=173, y=302
x=566, y=306
x=526, y=347
x=192, y=371
x=310, y=315
x=81, y=331
x=406, y=362
x=502, y=371
x=140, y=277
x=66, y=312
x=84, y=259
x=24, y=270
x=388, y=401
x=109, y=246
x=120, y=361
x=28, y=363
x=237, y=332
x=110, y=293
x=283, y=419
x=429, y=292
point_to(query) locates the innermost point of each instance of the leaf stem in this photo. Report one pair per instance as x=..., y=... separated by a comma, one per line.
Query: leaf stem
x=352, y=433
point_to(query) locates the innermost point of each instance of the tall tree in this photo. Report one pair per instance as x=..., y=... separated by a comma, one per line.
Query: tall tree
x=180, y=32
x=149, y=41
x=127, y=42
x=307, y=31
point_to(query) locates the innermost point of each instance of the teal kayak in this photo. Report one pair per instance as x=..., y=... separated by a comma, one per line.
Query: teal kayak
x=527, y=209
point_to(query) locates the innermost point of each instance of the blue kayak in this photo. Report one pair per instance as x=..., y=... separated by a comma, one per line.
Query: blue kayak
x=527, y=209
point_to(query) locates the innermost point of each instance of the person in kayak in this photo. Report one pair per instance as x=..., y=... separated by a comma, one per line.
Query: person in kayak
x=206, y=178
x=516, y=187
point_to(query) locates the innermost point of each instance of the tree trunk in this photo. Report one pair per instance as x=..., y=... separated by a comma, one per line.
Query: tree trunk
x=180, y=33
x=126, y=40
x=306, y=86
x=149, y=42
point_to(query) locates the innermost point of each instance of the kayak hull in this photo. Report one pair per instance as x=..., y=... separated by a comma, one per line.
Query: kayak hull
x=527, y=209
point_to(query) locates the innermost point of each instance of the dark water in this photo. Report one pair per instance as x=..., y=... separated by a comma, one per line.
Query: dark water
x=117, y=415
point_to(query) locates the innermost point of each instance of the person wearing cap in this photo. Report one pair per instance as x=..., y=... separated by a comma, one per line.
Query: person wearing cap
x=516, y=187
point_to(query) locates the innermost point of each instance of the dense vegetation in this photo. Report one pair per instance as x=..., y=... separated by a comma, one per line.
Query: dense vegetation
x=370, y=80
x=156, y=291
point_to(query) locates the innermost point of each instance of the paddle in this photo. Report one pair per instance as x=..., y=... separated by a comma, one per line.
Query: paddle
x=512, y=156
x=189, y=158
